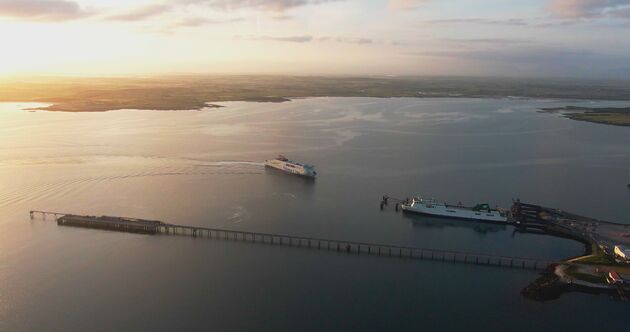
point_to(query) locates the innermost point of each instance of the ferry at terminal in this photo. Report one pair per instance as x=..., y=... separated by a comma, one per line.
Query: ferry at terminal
x=479, y=212
x=283, y=164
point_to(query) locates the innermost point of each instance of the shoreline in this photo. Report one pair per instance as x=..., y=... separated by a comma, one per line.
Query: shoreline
x=195, y=92
x=59, y=107
x=612, y=116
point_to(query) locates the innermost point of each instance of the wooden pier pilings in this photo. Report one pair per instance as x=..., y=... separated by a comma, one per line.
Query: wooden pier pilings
x=111, y=223
x=356, y=248
x=340, y=246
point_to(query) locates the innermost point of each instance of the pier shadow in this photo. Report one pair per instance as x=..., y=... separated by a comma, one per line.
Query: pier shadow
x=421, y=221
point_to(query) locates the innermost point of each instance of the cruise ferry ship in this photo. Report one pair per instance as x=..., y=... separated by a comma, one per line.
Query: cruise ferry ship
x=480, y=212
x=283, y=164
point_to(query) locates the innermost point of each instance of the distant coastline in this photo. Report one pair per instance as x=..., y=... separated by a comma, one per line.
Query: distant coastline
x=96, y=108
x=615, y=116
x=199, y=92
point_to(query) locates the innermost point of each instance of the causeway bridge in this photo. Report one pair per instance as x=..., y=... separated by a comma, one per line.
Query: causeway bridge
x=153, y=227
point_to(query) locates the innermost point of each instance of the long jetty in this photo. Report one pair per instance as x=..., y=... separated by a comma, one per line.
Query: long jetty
x=341, y=246
x=589, y=231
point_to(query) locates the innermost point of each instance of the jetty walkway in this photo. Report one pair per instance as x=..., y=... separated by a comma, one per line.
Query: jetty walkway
x=604, y=234
x=153, y=227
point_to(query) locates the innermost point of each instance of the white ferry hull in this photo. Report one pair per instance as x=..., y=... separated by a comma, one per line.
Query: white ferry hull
x=290, y=168
x=454, y=212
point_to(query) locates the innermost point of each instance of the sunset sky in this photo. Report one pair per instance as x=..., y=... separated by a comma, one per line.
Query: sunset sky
x=583, y=38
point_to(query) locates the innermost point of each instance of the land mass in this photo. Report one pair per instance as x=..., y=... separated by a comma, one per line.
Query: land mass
x=617, y=116
x=198, y=92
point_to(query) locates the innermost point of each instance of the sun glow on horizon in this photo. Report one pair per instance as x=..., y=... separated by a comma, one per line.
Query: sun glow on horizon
x=339, y=37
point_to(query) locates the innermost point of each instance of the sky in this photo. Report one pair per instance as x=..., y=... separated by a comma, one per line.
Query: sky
x=514, y=38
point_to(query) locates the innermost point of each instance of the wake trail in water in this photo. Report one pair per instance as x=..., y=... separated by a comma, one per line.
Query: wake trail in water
x=65, y=187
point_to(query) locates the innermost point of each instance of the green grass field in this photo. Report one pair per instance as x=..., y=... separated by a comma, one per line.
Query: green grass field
x=606, y=115
x=617, y=119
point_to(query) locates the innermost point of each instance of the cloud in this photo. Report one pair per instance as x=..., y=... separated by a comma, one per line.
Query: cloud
x=347, y=40
x=309, y=38
x=150, y=11
x=268, y=5
x=42, y=10
x=622, y=13
x=201, y=21
x=142, y=13
x=493, y=41
x=406, y=4
x=537, y=62
x=292, y=39
x=486, y=21
x=577, y=9
x=282, y=17
x=546, y=61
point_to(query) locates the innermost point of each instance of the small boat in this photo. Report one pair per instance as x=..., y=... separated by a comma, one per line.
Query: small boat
x=479, y=212
x=283, y=164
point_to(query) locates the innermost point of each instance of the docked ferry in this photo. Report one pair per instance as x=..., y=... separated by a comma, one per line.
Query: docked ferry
x=479, y=212
x=283, y=164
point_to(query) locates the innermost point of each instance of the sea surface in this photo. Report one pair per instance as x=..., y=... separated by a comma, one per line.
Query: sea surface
x=205, y=168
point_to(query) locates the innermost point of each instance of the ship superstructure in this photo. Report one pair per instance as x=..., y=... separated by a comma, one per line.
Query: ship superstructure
x=282, y=163
x=479, y=212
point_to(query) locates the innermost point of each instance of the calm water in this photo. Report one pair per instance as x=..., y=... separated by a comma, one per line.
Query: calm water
x=204, y=168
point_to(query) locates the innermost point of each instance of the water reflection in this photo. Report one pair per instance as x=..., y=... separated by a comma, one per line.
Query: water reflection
x=421, y=221
x=179, y=167
x=291, y=184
